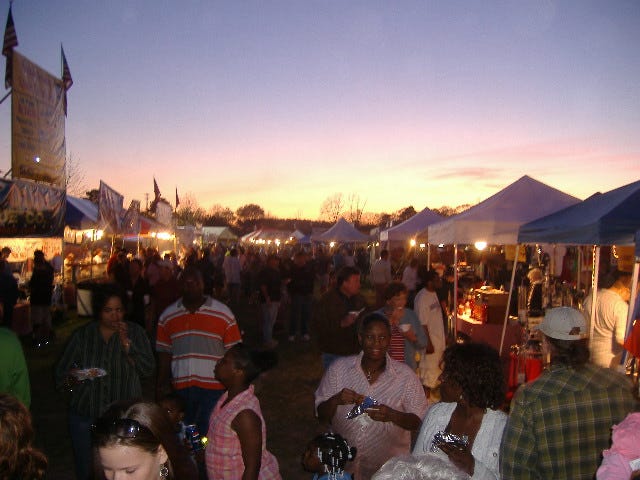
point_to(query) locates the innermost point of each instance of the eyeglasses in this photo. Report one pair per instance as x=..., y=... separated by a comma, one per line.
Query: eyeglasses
x=121, y=427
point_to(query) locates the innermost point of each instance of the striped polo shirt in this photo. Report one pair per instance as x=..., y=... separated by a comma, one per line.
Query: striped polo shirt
x=196, y=341
x=396, y=344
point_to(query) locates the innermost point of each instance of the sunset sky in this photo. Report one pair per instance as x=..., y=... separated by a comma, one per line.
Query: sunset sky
x=284, y=103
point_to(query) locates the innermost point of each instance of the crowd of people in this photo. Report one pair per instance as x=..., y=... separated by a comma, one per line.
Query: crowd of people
x=398, y=394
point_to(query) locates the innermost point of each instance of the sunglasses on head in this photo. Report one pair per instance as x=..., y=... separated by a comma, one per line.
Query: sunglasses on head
x=121, y=427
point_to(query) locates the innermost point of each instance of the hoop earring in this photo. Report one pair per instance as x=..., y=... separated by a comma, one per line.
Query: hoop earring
x=164, y=471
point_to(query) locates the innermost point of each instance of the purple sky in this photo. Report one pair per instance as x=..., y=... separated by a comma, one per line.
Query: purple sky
x=284, y=103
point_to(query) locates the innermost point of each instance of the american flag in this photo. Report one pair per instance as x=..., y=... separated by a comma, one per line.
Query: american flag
x=10, y=41
x=10, y=37
x=67, y=81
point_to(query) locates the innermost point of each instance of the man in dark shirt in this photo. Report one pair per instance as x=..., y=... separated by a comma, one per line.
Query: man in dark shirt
x=335, y=318
x=41, y=290
x=270, y=283
x=301, y=282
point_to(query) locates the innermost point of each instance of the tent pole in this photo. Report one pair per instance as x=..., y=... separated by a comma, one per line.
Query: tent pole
x=579, y=268
x=594, y=289
x=455, y=291
x=511, y=288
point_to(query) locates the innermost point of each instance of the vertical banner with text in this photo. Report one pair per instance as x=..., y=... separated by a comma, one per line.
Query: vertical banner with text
x=37, y=128
x=110, y=208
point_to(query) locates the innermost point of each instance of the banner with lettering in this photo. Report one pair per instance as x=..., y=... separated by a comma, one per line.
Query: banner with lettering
x=37, y=128
x=110, y=208
x=131, y=221
x=30, y=209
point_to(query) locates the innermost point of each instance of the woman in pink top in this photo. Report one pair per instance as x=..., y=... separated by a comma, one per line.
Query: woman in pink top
x=237, y=435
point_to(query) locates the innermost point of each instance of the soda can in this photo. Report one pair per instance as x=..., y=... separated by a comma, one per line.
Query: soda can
x=192, y=434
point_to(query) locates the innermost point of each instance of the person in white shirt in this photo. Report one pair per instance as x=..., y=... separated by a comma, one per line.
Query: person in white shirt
x=427, y=306
x=410, y=280
x=609, y=329
x=380, y=276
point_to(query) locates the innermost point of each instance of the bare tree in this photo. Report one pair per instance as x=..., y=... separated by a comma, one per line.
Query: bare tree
x=447, y=211
x=356, y=207
x=405, y=214
x=249, y=213
x=370, y=218
x=219, y=215
x=75, y=177
x=189, y=212
x=332, y=207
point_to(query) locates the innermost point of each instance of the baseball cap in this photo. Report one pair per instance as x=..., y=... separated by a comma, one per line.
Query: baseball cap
x=564, y=323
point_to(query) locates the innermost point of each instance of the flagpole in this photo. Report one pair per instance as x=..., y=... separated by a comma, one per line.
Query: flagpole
x=6, y=96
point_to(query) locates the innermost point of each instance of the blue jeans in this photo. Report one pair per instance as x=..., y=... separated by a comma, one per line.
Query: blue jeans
x=269, y=316
x=199, y=405
x=300, y=314
x=80, y=430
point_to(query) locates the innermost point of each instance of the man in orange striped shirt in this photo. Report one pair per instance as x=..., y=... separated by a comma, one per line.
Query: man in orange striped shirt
x=193, y=334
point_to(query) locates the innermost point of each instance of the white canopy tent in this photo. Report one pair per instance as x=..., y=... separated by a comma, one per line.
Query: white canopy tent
x=342, y=232
x=411, y=227
x=497, y=219
x=218, y=234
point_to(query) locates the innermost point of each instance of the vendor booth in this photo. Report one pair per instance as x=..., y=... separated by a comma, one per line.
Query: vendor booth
x=266, y=237
x=495, y=221
x=611, y=218
x=218, y=235
x=85, y=242
x=31, y=218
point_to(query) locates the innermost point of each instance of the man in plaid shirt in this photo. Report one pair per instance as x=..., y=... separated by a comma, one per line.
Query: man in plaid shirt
x=560, y=423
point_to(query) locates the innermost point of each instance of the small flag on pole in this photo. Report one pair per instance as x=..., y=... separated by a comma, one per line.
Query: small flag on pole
x=10, y=41
x=67, y=81
x=177, y=199
x=156, y=189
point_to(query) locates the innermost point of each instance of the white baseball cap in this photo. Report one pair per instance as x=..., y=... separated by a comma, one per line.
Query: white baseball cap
x=564, y=323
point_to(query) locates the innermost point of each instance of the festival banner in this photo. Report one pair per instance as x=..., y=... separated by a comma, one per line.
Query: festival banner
x=30, y=209
x=164, y=212
x=37, y=128
x=22, y=248
x=110, y=208
x=131, y=222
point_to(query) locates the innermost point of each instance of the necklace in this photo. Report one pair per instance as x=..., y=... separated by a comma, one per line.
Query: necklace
x=370, y=373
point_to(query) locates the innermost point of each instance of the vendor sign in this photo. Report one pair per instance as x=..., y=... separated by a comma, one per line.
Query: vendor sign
x=31, y=209
x=37, y=126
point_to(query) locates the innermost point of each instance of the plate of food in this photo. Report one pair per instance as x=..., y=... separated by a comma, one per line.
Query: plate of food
x=83, y=374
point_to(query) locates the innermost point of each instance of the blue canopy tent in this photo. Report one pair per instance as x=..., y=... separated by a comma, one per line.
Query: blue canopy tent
x=610, y=218
x=81, y=213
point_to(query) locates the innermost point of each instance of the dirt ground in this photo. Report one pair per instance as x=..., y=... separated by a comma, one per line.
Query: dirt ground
x=286, y=396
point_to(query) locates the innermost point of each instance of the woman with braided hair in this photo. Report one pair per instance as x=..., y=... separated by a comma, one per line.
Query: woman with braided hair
x=326, y=456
